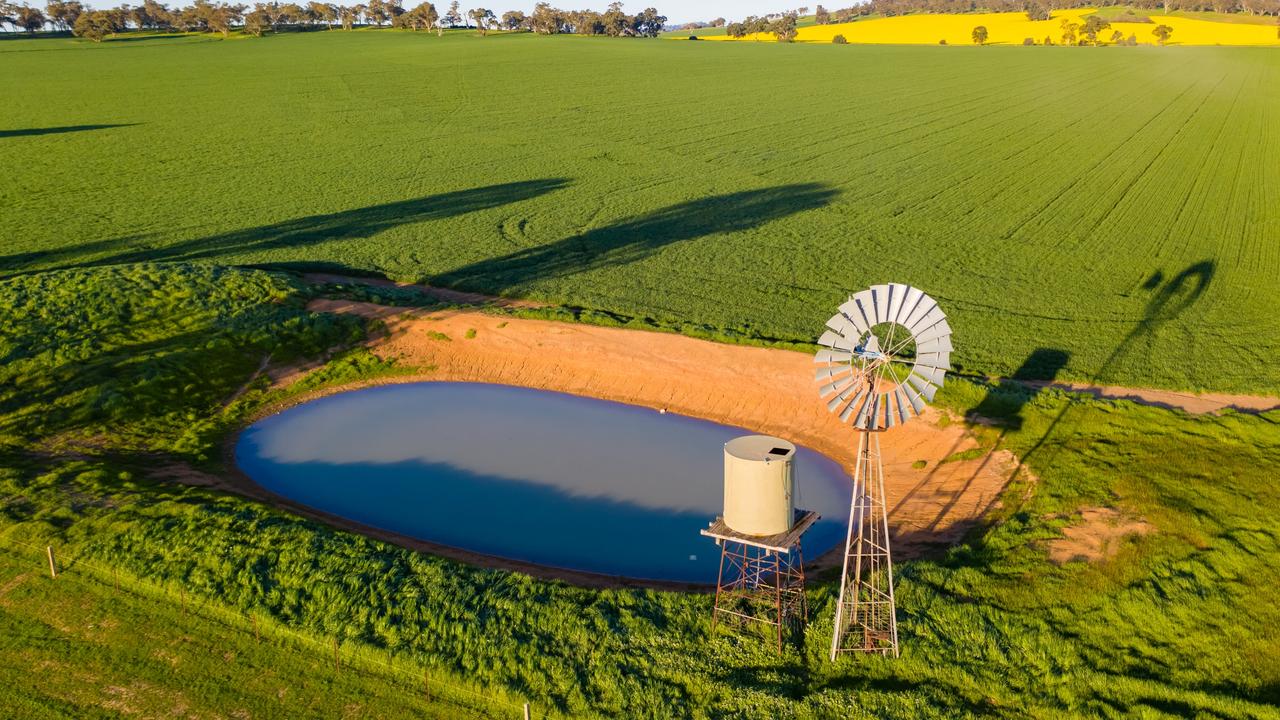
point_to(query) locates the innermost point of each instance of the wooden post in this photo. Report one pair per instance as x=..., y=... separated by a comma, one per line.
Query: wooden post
x=526, y=711
x=53, y=569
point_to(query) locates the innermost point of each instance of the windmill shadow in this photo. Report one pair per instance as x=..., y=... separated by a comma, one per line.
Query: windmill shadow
x=636, y=238
x=1170, y=299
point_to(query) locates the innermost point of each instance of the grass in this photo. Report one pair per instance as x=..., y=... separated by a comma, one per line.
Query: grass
x=76, y=647
x=1176, y=624
x=1117, y=206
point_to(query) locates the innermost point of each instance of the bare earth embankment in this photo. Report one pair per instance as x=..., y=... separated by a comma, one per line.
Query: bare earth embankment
x=764, y=390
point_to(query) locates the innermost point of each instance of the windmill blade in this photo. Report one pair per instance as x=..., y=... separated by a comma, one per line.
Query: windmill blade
x=924, y=307
x=841, y=326
x=828, y=373
x=833, y=340
x=942, y=329
x=904, y=410
x=863, y=303
x=832, y=356
x=838, y=386
x=932, y=375
x=928, y=320
x=938, y=345
x=940, y=360
x=909, y=302
x=880, y=301
x=922, y=386
x=853, y=405
x=850, y=310
x=888, y=418
x=868, y=410
x=897, y=294
x=913, y=397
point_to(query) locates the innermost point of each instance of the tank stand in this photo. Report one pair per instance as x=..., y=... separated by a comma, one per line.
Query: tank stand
x=761, y=579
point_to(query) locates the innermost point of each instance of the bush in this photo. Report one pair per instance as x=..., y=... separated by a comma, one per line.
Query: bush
x=943, y=41
x=693, y=37
x=839, y=40
x=1028, y=41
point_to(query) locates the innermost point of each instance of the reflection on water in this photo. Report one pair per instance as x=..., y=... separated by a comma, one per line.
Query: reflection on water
x=523, y=474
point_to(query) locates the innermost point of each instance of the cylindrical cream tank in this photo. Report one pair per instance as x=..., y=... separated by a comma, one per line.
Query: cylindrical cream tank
x=759, y=485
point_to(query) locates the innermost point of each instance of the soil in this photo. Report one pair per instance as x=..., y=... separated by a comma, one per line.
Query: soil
x=1097, y=536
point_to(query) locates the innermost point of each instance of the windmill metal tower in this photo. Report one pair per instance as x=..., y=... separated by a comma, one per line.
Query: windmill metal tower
x=886, y=353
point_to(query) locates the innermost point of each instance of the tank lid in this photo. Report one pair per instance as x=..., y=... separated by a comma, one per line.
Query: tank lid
x=760, y=448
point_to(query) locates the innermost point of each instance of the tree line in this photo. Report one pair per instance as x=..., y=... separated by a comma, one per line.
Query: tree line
x=261, y=18
x=1035, y=9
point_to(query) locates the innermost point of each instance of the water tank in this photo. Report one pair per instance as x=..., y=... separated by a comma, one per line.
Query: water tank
x=759, y=486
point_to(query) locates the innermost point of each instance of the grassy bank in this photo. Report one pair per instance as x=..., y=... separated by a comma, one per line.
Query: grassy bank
x=1174, y=624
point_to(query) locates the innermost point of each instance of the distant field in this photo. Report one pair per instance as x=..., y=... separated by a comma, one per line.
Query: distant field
x=1122, y=206
x=1012, y=28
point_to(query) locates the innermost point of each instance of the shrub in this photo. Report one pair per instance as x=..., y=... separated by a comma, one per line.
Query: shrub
x=839, y=40
x=693, y=37
x=1028, y=41
x=943, y=41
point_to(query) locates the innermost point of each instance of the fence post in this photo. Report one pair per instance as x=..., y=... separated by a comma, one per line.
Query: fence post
x=53, y=569
x=526, y=711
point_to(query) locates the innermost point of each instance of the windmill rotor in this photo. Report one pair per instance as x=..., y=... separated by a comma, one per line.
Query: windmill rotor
x=885, y=354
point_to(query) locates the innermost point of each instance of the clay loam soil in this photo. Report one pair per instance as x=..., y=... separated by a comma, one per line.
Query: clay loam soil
x=1098, y=534
x=767, y=390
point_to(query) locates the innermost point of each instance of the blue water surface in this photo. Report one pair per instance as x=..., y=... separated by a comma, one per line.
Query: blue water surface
x=529, y=475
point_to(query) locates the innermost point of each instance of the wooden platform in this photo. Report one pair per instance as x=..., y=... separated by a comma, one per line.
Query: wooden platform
x=782, y=542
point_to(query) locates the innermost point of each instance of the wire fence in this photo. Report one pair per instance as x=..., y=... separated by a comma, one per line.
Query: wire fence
x=434, y=686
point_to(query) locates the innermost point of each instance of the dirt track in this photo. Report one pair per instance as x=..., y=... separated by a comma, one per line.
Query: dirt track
x=769, y=391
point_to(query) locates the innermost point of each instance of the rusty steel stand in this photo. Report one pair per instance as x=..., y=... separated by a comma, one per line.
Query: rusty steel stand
x=761, y=578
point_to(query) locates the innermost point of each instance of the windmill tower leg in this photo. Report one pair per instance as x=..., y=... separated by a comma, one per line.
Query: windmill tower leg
x=865, y=614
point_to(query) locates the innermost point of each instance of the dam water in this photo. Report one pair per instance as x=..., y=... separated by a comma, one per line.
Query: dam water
x=528, y=475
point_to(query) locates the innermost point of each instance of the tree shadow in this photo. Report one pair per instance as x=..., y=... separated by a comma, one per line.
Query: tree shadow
x=26, y=132
x=634, y=239
x=300, y=232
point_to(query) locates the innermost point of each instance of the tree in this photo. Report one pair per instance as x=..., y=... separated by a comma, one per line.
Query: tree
x=1069, y=31
x=1092, y=26
x=1028, y=41
x=979, y=35
x=453, y=17
x=1162, y=33
x=29, y=18
x=63, y=15
x=7, y=15
x=514, y=20
x=821, y=16
x=736, y=30
x=257, y=21
x=349, y=16
x=718, y=22
x=95, y=25
x=376, y=12
x=482, y=18
x=1117, y=38
x=784, y=28
x=839, y=40
x=648, y=23
x=322, y=12
x=422, y=17
x=616, y=22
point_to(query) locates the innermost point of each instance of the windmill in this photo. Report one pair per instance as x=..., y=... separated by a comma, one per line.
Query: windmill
x=884, y=356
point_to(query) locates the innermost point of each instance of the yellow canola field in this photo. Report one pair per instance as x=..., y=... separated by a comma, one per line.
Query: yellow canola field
x=1013, y=27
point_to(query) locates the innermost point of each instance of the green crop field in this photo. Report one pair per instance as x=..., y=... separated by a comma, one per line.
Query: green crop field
x=1121, y=206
